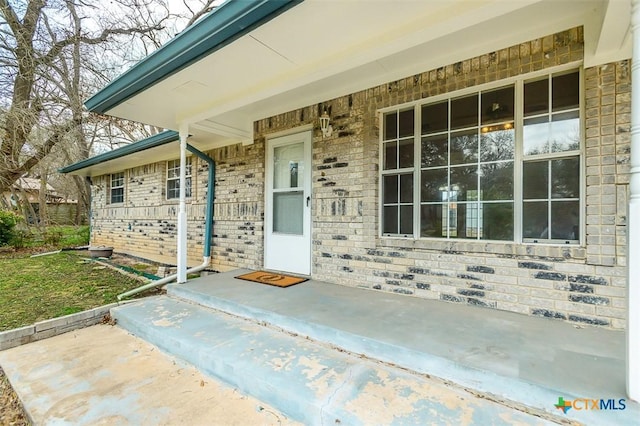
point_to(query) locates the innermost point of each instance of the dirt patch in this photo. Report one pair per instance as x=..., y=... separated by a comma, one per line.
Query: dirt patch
x=11, y=411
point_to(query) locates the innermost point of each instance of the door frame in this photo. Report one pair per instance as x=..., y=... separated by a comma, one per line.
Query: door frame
x=303, y=134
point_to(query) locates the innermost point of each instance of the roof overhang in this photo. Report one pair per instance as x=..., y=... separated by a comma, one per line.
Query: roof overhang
x=251, y=60
x=162, y=146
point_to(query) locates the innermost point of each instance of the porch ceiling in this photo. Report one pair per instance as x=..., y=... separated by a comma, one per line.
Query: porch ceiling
x=319, y=50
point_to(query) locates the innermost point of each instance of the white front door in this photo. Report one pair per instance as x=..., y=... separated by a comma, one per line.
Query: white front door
x=288, y=204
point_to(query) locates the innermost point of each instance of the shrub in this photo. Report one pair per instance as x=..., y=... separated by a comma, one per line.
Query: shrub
x=53, y=237
x=22, y=238
x=8, y=222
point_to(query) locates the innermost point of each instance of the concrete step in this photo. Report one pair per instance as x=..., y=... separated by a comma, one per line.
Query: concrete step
x=308, y=381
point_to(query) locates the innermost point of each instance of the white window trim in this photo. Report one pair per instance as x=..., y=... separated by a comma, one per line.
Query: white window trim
x=123, y=186
x=518, y=82
x=187, y=176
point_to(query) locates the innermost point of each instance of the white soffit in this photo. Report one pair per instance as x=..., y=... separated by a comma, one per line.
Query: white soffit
x=319, y=50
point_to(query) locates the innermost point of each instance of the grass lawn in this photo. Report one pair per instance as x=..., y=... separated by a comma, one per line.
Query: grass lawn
x=39, y=288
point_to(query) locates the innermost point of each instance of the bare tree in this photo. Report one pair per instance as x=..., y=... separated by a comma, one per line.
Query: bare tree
x=41, y=56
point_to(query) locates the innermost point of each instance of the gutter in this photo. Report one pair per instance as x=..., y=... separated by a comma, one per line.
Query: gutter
x=148, y=143
x=227, y=23
x=208, y=230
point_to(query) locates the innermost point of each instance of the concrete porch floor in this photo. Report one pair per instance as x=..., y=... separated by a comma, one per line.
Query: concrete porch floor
x=506, y=356
x=498, y=367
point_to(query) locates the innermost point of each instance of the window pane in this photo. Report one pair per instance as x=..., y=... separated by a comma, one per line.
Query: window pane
x=565, y=178
x=497, y=105
x=565, y=220
x=288, y=209
x=535, y=180
x=406, y=123
x=390, y=189
x=434, y=183
x=497, y=145
x=288, y=161
x=464, y=112
x=173, y=188
x=435, y=117
x=435, y=151
x=536, y=97
x=117, y=195
x=496, y=181
x=566, y=91
x=390, y=220
x=535, y=220
x=462, y=225
x=536, y=136
x=390, y=155
x=497, y=221
x=464, y=147
x=187, y=187
x=406, y=220
x=406, y=188
x=406, y=153
x=565, y=132
x=390, y=125
x=431, y=221
x=464, y=183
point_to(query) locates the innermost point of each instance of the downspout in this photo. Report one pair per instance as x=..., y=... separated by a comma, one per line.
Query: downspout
x=208, y=230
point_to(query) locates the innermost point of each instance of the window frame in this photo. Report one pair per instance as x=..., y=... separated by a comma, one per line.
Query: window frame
x=518, y=162
x=188, y=177
x=112, y=176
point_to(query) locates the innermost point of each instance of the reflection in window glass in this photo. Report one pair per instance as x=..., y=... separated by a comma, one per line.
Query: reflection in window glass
x=469, y=153
x=536, y=136
x=498, y=144
x=565, y=135
x=435, y=151
x=463, y=180
x=464, y=147
x=434, y=182
x=173, y=179
x=496, y=181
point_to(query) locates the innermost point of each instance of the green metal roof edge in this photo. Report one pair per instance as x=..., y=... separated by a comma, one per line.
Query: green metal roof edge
x=150, y=142
x=222, y=26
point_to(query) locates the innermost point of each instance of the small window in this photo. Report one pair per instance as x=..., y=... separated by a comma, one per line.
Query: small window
x=173, y=179
x=116, y=188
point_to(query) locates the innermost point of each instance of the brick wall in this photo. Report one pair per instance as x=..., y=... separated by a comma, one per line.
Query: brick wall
x=580, y=284
x=584, y=284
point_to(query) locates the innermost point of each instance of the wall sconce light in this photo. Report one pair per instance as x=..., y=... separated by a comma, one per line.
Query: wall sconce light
x=326, y=128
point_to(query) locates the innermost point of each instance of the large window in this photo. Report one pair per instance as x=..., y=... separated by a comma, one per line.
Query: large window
x=116, y=188
x=173, y=179
x=490, y=165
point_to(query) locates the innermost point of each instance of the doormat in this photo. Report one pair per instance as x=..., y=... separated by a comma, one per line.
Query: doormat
x=271, y=278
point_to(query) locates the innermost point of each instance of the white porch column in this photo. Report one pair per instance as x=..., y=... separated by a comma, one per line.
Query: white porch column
x=633, y=255
x=182, y=209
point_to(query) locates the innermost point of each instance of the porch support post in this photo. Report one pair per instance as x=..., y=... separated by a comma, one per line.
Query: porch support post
x=182, y=209
x=633, y=218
